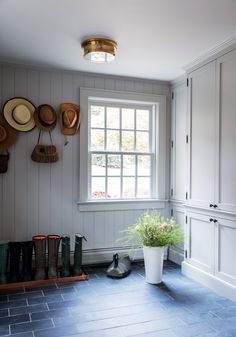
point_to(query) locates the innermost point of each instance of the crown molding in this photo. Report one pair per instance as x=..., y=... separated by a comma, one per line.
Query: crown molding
x=221, y=49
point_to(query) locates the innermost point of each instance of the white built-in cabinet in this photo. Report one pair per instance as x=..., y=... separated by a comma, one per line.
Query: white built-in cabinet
x=210, y=207
x=210, y=247
x=212, y=155
x=203, y=172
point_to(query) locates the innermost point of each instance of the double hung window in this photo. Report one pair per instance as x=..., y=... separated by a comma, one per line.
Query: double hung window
x=122, y=147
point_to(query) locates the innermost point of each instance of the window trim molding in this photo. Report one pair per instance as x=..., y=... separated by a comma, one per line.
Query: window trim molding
x=160, y=178
x=120, y=205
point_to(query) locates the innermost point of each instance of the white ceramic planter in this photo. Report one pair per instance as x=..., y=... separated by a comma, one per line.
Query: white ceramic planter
x=153, y=260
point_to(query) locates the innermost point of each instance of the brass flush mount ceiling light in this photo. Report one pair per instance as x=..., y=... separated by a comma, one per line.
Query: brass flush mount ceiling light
x=99, y=50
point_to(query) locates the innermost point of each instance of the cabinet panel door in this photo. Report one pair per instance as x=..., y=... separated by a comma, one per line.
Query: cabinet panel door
x=226, y=71
x=225, y=250
x=179, y=216
x=200, y=242
x=202, y=95
x=179, y=149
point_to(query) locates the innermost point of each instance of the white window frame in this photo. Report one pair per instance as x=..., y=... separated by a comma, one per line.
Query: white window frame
x=159, y=101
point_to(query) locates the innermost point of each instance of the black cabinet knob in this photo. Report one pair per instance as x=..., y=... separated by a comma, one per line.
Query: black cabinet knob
x=212, y=220
x=211, y=205
x=215, y=206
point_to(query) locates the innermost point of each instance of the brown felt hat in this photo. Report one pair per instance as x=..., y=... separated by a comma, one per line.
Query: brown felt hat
x=18, y=113
x=45, y=117
x=69, y=118
x=7, y=134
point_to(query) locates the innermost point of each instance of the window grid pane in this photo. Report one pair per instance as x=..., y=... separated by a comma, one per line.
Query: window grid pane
x=114, y=168
x=112, y=118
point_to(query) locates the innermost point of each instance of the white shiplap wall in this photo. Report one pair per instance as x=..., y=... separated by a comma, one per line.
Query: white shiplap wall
x=37, y=198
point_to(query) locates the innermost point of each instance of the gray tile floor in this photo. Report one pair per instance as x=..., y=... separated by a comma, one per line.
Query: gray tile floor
x=179, y=307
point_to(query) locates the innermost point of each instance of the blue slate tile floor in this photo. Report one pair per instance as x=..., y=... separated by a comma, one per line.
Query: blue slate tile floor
x=104, y=307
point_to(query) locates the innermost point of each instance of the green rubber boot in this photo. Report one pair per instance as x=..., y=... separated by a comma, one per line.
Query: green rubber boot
x=53, y=246
x=40, y=256
x=15, y=253
x=27, y=252
x=65, y=255
x=78, y=254
x=3, y=261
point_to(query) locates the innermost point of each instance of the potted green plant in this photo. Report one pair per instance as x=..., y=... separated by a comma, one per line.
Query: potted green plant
x=154, y=232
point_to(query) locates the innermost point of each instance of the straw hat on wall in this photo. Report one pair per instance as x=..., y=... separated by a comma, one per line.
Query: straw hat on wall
x=18, y=113
x=45, y=117
x=7, y=134
x=69, y=118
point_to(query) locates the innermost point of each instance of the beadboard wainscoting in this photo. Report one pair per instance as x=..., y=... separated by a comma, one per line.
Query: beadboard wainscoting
x=42, y=198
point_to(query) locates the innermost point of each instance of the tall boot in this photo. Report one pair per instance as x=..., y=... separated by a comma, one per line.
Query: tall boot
x=53, y=246
x=15, y=253
x=27, y=251
x=78, y=254
x=4, y=252
x=65, y=255
x=40, y=256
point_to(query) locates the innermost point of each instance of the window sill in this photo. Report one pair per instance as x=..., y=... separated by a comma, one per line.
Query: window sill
x=119, y=205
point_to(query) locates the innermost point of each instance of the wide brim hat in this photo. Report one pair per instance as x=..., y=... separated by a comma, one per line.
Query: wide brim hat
x=7, y=134
x=45, y=117
x=19, y=114
x=69, y=118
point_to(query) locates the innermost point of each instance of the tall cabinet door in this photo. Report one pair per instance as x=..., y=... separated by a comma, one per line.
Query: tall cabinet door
x=178, y=140
x=202, y=149
x=226, y=76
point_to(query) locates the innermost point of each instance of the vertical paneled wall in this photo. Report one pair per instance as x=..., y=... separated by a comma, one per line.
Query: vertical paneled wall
x=42, y=198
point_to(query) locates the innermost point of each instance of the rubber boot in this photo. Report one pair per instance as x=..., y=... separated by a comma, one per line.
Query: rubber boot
x=40, y=256
x=15, y=254
x=27, y=251
x=53, y=246
x=65, y=255
x=78, y=254
x=4, y=252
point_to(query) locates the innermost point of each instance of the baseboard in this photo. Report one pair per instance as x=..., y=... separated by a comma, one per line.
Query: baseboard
x=219, y=286
x=175, y=255
x=105, y=255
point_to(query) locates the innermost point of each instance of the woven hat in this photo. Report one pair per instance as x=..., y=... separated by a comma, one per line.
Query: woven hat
x=69, y=118
x=7, y=134
x=18, y=113
x=45, y=117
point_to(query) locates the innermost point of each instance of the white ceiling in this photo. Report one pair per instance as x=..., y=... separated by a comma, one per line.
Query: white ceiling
x=155, y=38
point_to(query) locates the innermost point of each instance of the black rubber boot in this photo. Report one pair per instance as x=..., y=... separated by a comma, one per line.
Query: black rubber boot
x=65, y=255
x=53, y=246
x=27, y=251
x=40, y=256
x=4, y=250
x=78, y=254
x=15, y=254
